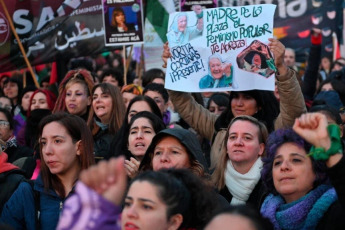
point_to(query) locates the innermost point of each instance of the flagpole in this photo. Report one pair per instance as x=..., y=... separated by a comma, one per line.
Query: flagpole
x=19, y=43
x=124, y=65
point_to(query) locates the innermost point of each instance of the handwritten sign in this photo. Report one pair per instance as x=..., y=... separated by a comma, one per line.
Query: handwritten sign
x=122, y=21
x=221, y=49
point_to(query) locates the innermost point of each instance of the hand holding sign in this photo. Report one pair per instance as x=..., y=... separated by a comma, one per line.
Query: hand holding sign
x=228, y=35
x=278, y=50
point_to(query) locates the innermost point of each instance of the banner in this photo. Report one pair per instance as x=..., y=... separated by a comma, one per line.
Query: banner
x=123, y=22
x=221, y=49
x=50, y=29
x=294, y=20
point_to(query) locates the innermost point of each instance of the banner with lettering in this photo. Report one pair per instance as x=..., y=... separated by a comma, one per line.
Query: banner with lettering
x=294, y=20
x=221, y=49
x=123, y=22
x=50, y=29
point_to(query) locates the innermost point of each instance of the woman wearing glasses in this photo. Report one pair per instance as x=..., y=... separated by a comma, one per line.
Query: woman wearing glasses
x=9, y=143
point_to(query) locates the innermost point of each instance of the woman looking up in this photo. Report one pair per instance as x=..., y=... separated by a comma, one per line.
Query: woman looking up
x=297, y=176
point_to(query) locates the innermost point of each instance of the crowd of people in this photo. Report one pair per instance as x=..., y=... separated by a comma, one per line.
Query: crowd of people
x=97, y=154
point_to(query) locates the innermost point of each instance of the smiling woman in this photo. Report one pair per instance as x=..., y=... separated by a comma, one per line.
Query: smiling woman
x=66, y=149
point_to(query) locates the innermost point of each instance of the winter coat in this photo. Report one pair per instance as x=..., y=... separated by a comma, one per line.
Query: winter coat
x=255, y=199
x=200, y=119
x=20, y=212
x=102, y=142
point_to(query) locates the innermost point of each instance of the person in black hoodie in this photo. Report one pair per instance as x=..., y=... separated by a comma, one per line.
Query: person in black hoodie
x=178, y=148
x=175, y=148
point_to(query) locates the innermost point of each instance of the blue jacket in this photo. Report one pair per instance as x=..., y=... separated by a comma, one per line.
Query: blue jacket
x=19, y=211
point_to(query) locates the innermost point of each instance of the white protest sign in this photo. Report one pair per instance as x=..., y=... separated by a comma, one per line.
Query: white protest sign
x=221, y=49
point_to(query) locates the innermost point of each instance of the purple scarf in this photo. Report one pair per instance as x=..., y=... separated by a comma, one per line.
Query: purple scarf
x=304, y=213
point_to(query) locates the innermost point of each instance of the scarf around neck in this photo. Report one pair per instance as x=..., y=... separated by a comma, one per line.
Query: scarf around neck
x=304, y=213
x=4, y=165
x=241, y=185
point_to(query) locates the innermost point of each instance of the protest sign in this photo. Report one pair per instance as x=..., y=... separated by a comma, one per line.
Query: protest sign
x=55, y=29
x=123, y=22
x=221, y=49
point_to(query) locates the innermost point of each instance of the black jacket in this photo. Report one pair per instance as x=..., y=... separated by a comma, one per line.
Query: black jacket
x=102, y=142
x=334, y=218
x=255, y=199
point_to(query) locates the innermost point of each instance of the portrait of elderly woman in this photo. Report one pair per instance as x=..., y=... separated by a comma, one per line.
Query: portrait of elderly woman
x=220, y=74
x=257, y=58
x=180, y=33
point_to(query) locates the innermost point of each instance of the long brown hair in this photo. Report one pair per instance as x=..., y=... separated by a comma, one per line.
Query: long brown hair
x=118, y=109
x=116, y=12
x=218, y=177
x=77, y=129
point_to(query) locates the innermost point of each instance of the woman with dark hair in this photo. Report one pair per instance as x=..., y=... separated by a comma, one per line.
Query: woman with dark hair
x=112, y=76
x=237, y=173
x=137, y=104
x=41, y=104
x=20, y=118
x=141, y=103
x=239, y=217
x=10, y=144
x=297, y=176
x=153, y=75
x=175, y=148
x=332, y=91
x=137, y=138
x=259, y=104
x=75, y=94
x=65, y=149
x=164, y=200
x=13, y=90
x=107, y=114
x=218, y=103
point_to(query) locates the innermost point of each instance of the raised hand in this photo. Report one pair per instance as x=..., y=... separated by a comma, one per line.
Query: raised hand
x=107, y=178
x=278, y=50
x=313, y=128
x=166, y=54
x=132, y=167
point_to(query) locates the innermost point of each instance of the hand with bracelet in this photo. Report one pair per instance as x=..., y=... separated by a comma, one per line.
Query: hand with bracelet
x=314, y=128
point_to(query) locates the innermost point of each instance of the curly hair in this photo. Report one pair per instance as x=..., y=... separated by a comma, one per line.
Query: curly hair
x=81, y=76
x=274, y=142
